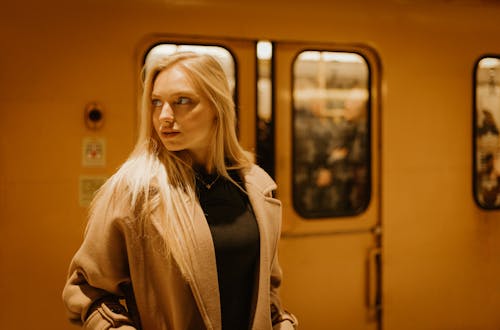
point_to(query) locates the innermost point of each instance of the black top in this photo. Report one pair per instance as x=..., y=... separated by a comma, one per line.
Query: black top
x=236, y=240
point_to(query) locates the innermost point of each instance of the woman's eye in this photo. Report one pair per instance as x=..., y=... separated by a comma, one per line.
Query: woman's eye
x=157, y=103
x=182, y=100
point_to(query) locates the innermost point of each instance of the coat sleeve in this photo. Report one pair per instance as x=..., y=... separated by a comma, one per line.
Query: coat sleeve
x=281, y=319
x=98, y=271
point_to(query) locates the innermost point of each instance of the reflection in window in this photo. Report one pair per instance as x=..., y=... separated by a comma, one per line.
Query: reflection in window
x=331, y=130
x=487, y=140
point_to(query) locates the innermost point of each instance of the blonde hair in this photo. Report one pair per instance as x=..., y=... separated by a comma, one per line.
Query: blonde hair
x=154, y=177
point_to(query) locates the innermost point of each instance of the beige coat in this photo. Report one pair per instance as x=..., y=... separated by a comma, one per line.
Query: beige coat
x=113, y=257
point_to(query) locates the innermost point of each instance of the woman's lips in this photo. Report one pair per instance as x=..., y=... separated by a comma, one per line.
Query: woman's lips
x=169, y=134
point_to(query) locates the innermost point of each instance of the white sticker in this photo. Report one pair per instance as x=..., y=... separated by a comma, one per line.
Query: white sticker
x=93, y=152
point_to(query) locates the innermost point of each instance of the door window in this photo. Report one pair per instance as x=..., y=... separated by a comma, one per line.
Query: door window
x=224, y=57
x=486, y=133
x=331, y=134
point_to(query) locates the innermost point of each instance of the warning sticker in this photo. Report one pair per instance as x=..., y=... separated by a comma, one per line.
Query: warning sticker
x=88, y=187
x=93, y=152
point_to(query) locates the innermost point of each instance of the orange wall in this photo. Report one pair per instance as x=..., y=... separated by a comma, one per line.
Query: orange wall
x=53, y=64
x=439, y=248
x=440, y=252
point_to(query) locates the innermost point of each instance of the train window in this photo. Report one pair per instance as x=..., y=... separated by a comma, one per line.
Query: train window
x=265, y=117
x=331, y=134
x=224, y=57
x=486, y=133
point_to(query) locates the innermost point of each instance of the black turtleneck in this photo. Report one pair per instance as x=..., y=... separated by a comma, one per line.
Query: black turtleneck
x=236, y=240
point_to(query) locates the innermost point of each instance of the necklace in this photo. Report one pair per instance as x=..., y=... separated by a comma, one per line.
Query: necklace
x=208, y=185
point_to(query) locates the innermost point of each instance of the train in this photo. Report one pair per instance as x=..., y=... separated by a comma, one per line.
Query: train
x=379, y=121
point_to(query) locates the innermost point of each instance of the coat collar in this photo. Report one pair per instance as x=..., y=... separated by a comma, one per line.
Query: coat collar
x=258, y=178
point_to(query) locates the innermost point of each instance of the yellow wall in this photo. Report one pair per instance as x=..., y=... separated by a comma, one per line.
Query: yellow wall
x=440, y=252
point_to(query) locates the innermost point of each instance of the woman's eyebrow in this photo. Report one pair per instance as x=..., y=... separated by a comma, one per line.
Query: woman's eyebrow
x=175, y=92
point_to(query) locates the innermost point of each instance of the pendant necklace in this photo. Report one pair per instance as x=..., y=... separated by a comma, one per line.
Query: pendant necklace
x=208, y=185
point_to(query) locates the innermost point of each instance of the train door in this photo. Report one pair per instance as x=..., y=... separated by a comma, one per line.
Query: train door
x=330, y=253
x=327, y=170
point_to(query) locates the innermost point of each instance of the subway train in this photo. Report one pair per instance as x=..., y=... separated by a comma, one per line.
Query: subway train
x=379, y=121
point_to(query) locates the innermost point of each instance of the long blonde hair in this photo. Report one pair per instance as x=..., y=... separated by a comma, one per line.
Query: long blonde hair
x=153, y=177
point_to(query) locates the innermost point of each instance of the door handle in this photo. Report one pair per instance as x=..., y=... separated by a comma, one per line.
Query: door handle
x=373, y=283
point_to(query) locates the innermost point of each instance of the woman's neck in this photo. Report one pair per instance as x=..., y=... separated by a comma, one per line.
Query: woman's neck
x=203, y=168
x=201, y=162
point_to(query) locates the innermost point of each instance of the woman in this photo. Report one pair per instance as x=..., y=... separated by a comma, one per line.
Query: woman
x=185, y=233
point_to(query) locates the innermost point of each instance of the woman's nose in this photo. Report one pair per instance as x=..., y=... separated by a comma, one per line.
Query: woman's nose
x=166, y=114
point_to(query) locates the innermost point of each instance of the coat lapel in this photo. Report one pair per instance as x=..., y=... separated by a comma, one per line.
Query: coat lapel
x=205, y=287
x=267, y=209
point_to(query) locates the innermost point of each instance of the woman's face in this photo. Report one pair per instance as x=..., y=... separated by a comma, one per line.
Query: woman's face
x=182, y=116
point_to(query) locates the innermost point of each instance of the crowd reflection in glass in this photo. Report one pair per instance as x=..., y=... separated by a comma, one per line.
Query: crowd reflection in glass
x=487, y=138
x=331, y=136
